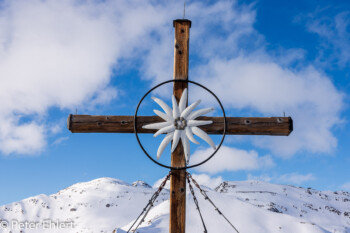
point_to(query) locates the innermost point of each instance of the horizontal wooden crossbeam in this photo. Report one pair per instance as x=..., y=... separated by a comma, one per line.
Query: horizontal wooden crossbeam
x=276, y=126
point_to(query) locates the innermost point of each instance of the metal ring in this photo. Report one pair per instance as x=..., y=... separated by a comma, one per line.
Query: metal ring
x=185, y=167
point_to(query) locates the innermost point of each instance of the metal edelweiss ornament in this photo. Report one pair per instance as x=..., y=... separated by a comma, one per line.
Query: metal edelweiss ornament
x=179, y=124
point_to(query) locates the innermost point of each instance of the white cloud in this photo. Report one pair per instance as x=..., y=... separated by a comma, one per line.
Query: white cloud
x=296, y=178
x=204, y=179
x=263, y=177
x=60, y=140
x=230, y=159
x=61, y=54
x=234, y=21
x=291, y=178
x=266, y=87
x=334, y=36
x=22, y=139
x=346, y=187
x=252, y=79
x=52, y=53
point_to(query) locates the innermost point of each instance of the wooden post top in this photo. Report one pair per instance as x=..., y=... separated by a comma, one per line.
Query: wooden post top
x=182, y=21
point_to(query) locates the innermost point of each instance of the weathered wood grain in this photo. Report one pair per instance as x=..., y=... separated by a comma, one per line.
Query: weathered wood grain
x=276, y=126
x=177, y=222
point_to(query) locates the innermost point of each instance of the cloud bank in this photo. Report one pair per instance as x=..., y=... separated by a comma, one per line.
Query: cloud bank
x=334, y=36
x=290, y=178
x=230, y=159
x=232, y=60
x=60, y=54
x=270, y=89
x=52, y=54
x=346, y=187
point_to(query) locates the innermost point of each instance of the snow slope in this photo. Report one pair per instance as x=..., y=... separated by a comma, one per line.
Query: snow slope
x=105, y=204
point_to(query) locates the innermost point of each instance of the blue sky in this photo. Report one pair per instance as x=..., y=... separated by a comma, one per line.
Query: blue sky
x=261, y=58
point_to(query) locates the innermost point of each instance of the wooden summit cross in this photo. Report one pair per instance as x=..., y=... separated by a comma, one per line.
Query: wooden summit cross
x=281, y=126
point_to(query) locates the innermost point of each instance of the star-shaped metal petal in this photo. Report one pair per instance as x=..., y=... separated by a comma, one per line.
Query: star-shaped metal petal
x=180, y=123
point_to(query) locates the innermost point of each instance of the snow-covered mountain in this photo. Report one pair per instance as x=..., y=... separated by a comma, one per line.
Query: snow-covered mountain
x=105, y=204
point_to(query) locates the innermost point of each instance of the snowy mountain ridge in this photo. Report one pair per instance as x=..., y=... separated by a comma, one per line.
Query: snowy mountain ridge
x=104, y=204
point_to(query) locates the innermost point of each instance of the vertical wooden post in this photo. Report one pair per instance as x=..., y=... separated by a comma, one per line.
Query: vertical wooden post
x=177, y=222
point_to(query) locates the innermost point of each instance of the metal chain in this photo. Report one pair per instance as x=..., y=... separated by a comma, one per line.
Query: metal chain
x=149, y=205
x=211, y=202
x=196, y=202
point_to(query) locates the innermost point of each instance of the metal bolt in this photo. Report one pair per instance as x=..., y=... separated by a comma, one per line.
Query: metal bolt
x=180, y=123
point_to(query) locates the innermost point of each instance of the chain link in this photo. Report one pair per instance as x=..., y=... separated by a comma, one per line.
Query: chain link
x=196, y=202
x=150, y=204
x=211, y=202
x=154, y=197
